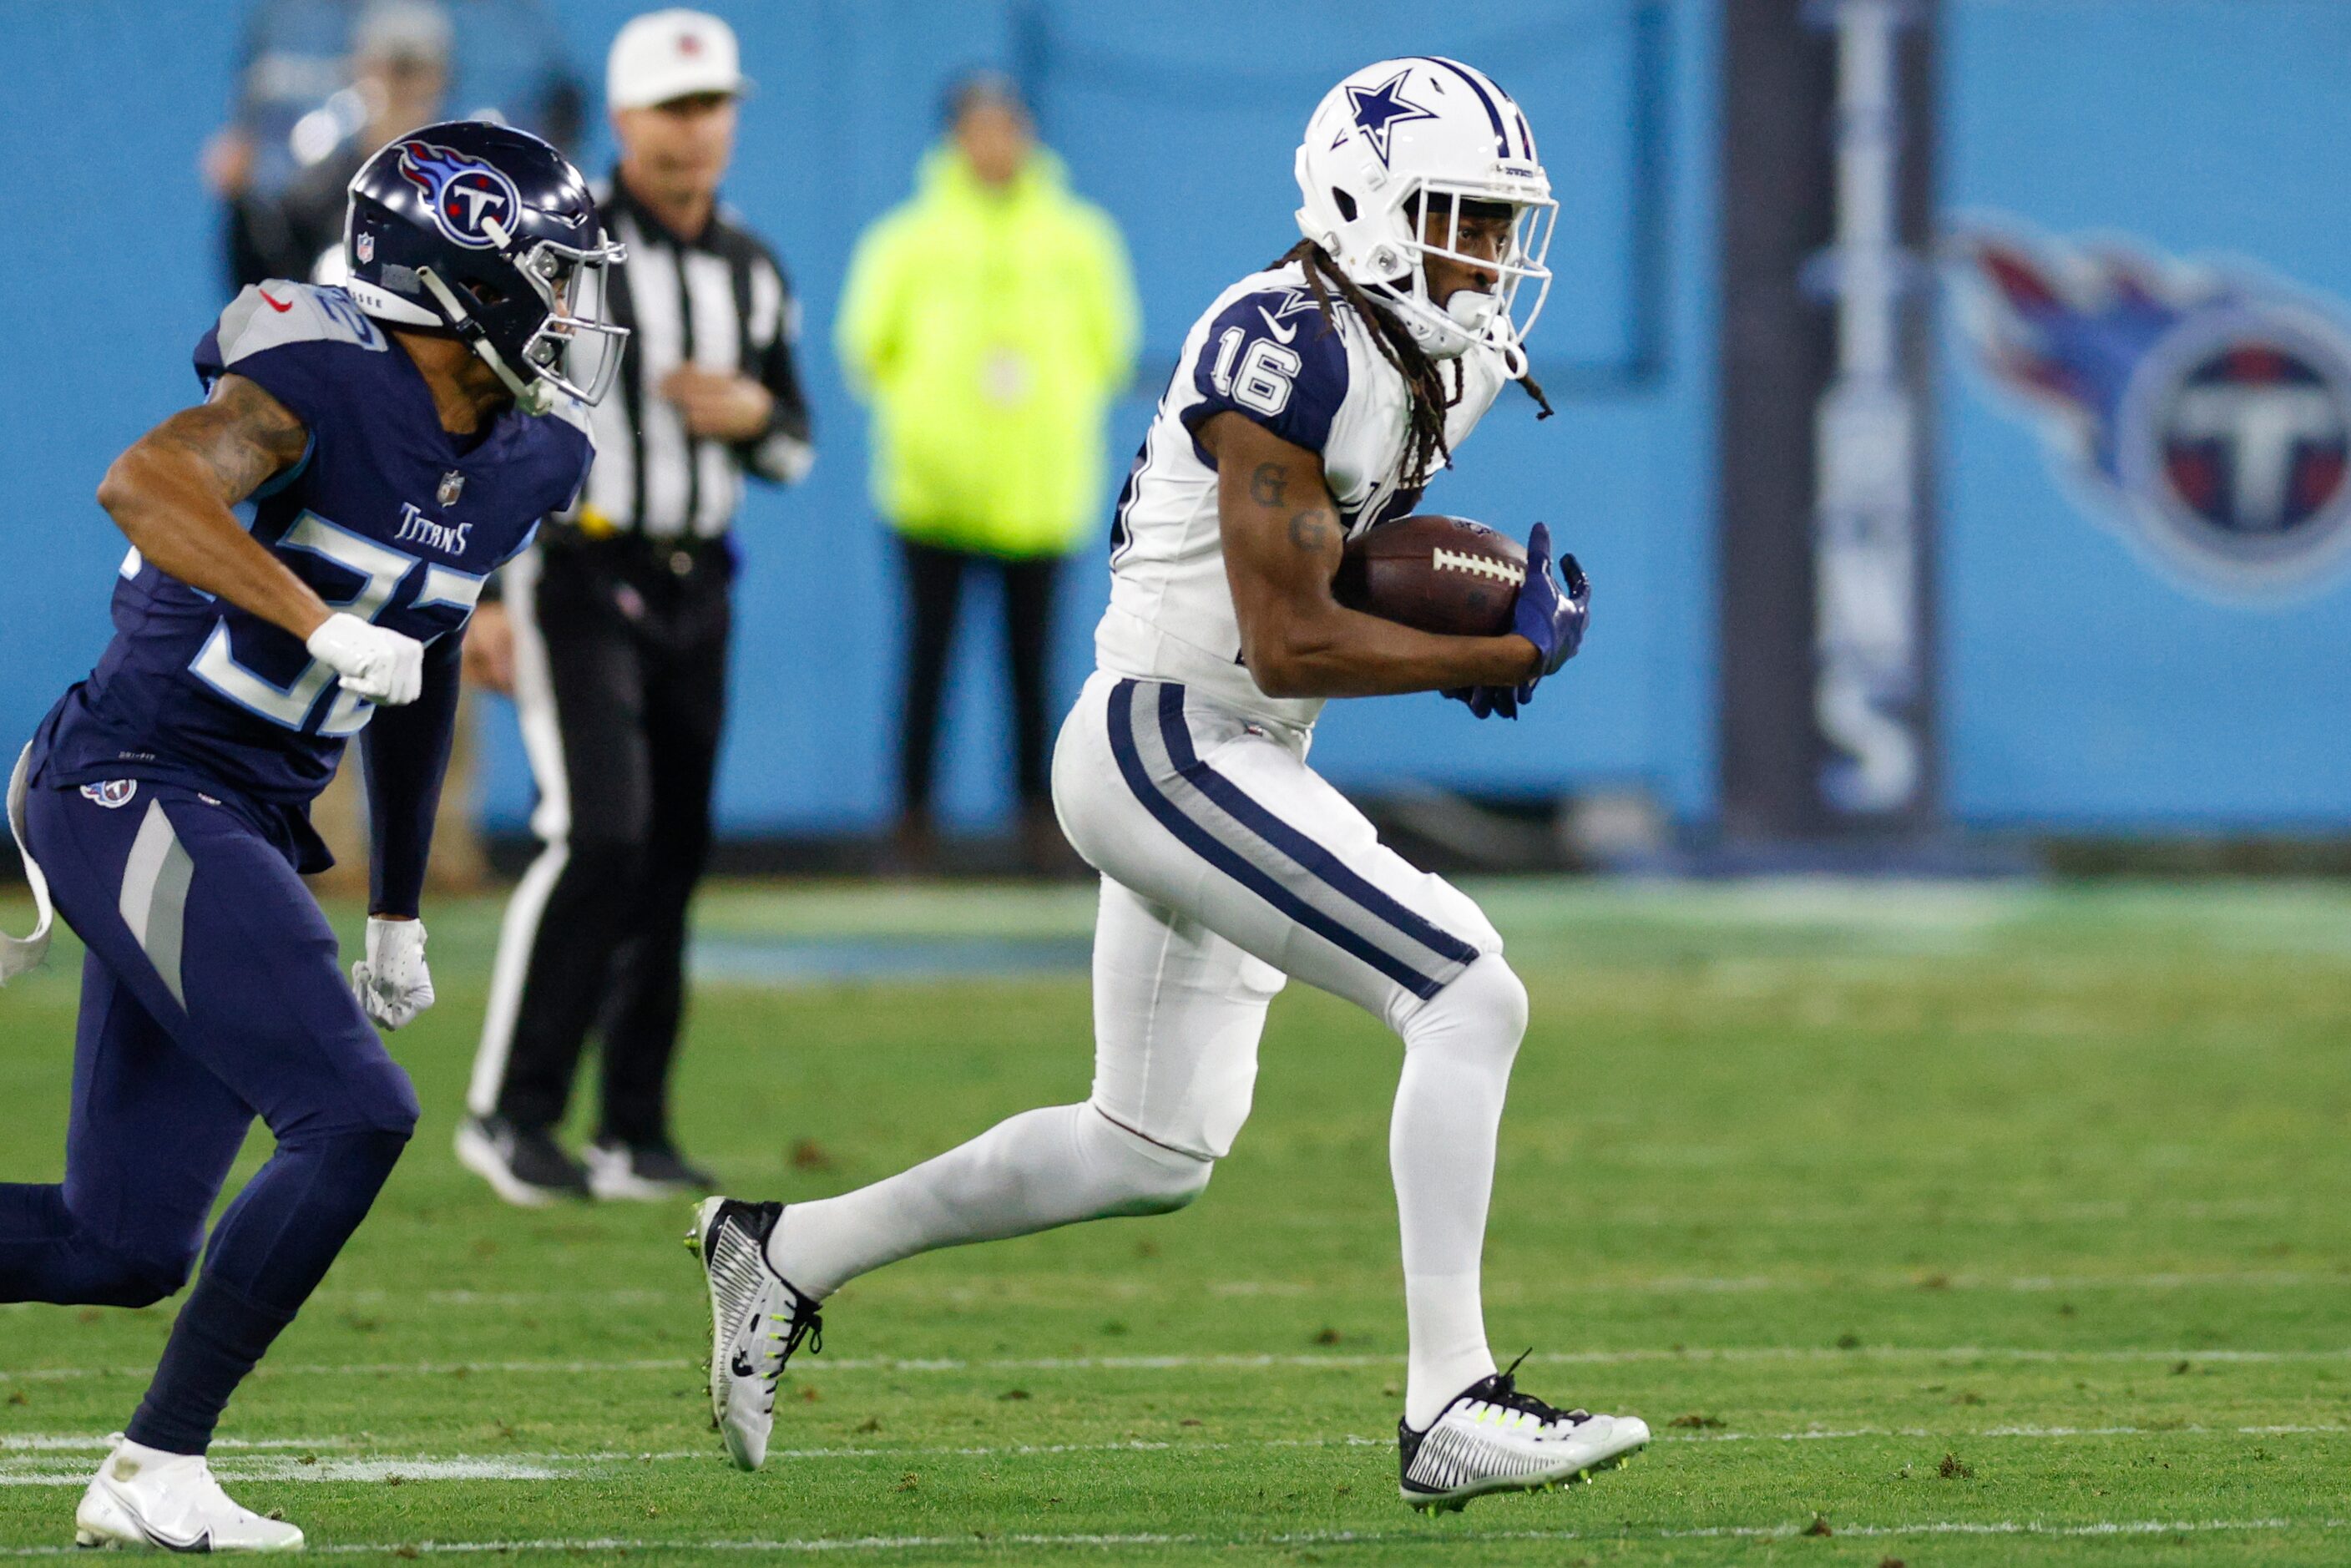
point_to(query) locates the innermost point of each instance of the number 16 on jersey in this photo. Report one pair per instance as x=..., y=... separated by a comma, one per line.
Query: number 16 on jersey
x=1264, y=376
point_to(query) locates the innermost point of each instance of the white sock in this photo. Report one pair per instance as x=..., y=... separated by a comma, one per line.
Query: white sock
x=1037, y=1170
x=1449, y=1109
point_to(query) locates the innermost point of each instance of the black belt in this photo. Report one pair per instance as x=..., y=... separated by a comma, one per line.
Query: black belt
x=680, y=555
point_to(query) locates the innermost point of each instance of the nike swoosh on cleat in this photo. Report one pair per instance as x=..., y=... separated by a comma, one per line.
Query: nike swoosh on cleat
x=1287, y=334
x=741, y=1367
x=201, y=1542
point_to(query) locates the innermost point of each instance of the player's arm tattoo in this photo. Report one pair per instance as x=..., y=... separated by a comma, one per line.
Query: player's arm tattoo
x=171, y=492
x=240, y=436
x=1284, y=540
x=1268, y=484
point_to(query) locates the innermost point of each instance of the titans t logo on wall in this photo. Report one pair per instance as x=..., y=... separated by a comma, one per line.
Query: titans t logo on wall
x=2205, y=410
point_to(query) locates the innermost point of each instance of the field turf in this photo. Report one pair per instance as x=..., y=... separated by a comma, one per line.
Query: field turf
x=1928, y=1224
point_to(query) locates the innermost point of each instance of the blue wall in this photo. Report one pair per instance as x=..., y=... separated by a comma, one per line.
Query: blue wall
x=2085, y=682
x=1181, y=119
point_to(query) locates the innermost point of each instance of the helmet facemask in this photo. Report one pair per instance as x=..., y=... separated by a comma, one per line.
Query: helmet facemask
x=1447, y=328
x=574, y=348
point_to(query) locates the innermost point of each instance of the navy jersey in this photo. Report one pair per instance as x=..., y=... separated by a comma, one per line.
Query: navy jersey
x=385, y=516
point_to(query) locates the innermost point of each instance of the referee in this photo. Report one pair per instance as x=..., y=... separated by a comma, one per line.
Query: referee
x=615, y=632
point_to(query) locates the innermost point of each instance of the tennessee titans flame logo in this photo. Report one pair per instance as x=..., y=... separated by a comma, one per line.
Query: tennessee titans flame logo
x=1380, y=109
x=466, y=194
x=2207, y=410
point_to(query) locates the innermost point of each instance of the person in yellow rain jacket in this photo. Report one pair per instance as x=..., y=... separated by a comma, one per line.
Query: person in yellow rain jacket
x=990, y=320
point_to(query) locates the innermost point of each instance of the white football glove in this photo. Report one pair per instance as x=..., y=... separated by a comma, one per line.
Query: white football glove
x=374, y=663
x=392, y=981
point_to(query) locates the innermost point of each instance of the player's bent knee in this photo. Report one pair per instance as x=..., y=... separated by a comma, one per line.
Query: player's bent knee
x=134, y=1281
x=395, y=1110
x=1140, y=1176
x=370, y=1101
x=1485, y=1007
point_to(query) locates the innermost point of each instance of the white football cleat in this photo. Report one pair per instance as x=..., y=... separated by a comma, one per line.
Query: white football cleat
x=1494, y=1439
x=142, y=1497
x=757, y=1320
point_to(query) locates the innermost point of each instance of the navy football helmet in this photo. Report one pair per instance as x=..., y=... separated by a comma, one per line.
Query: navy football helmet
x=489, y=233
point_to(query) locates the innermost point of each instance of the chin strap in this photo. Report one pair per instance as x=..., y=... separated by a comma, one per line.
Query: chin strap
x=532, y=396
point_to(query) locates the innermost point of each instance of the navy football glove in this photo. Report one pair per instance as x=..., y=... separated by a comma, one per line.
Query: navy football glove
x=1487, y=701
x=1552, y=620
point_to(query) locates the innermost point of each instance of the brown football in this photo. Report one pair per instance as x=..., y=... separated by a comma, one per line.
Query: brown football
x=1435, y=573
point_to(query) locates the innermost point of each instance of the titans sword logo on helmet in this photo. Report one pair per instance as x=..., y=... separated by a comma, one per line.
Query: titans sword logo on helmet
x=466, y=194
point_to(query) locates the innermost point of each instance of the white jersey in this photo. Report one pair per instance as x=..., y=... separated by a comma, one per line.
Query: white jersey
x=1265, y=352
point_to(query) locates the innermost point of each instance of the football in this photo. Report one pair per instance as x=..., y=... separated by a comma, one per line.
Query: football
x=1435, y=573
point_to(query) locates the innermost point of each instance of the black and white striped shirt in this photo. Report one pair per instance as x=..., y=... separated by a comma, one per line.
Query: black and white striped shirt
x=719, y=301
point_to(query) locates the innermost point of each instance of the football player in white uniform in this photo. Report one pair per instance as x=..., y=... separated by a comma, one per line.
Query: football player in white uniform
x=1312, y=400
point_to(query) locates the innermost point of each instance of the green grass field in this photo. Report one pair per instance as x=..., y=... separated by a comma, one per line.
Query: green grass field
x=1925, y=1225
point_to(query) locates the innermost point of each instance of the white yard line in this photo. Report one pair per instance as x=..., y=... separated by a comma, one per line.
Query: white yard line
x=790, y=1545
x=84, y=1442
x=684, y=1296
x=1340, y=1363
x=543, y=1467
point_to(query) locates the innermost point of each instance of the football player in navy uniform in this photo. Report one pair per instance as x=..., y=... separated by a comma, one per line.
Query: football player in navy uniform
x=397, y=439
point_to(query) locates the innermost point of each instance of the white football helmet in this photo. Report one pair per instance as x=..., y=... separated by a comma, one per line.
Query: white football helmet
x=1384, y=141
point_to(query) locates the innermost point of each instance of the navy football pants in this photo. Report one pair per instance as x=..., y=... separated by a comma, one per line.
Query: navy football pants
x=211, y=995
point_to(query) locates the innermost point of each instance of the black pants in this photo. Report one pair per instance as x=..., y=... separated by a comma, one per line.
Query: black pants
x=934, y=579
x=621, y=682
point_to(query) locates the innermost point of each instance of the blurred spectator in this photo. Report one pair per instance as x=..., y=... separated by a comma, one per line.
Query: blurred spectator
x=293, y=106
x=399, y=75
x=990, y=320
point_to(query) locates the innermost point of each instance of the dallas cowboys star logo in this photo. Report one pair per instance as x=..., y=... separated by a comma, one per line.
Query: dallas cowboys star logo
x=1379, y=110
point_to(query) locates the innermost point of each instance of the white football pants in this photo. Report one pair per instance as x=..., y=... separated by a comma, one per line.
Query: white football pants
x=1227, y=865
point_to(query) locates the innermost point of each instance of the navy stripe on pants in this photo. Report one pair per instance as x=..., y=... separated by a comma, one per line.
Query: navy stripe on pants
x=1203, y=842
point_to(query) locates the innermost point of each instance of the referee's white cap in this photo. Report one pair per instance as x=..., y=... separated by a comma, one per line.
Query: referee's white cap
x=665, y=54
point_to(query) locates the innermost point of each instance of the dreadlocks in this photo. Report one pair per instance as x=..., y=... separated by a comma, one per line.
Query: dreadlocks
x=1426, y=450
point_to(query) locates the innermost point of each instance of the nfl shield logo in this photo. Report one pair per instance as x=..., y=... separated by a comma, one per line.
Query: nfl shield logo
x=365, y=245
x=452, y=484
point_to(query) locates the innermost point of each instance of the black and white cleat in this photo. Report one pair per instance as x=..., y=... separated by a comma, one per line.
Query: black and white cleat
x=1493, y=1438
x=757, y=1320
x=148, y=1501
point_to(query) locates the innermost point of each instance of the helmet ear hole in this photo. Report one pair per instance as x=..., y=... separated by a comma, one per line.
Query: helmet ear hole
x=1345, y=203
